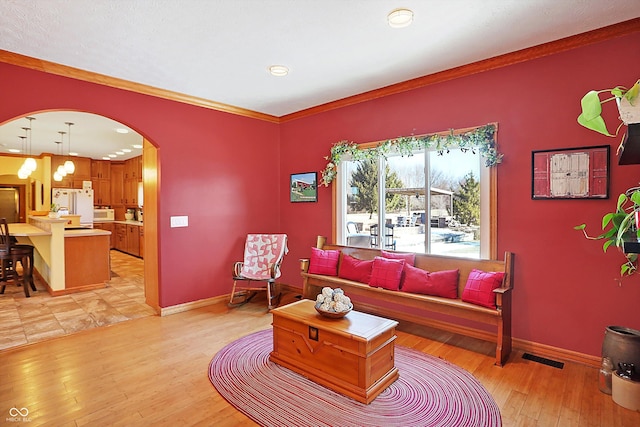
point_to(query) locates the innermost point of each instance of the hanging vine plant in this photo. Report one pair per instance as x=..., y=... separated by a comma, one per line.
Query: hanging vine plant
x=481, y=139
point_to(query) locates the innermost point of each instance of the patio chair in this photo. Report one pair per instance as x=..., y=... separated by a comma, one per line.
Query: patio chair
x=389, y=241
x=263, y=254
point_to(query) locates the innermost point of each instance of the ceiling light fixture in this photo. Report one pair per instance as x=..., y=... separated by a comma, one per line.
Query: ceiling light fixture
x=122, y=130
x=23, y=172
x=30, y=163
x=69, y=167
x=60, y=170
x=278, y=70
x=400, y=18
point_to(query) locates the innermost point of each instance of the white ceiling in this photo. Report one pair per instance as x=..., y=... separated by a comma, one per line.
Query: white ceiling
x=219, y=50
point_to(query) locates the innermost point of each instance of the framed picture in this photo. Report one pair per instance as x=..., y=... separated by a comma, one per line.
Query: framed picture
x=304, y=187
x=574, y=173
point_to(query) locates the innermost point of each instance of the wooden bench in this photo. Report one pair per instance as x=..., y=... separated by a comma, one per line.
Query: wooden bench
x=500, y=317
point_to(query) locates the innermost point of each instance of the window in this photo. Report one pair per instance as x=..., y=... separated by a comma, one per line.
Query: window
x=450, y=216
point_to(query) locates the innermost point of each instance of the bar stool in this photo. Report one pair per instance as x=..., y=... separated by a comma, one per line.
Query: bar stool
x=10, y=255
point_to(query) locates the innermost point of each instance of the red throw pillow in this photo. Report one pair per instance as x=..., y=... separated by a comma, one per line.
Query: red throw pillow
x=409, y=258
x=437, y=283
x=386, y=273
x=355, y=269
x=324, y=262
x=409, y=261
x=480, y=286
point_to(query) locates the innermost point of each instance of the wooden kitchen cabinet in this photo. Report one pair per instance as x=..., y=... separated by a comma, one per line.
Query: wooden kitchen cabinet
x=101, y=182
x=108, y=226
x=121, y=237
x=101, y=192
x=133, y=239
x=100, y=169
x=141, y=231
x=117, y=190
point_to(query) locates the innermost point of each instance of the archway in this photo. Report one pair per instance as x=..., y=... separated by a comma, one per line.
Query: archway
x=150, y=184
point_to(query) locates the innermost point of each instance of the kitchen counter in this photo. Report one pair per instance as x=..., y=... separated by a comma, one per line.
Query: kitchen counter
x=111, y=221
x=67, y=260
x=83, y=232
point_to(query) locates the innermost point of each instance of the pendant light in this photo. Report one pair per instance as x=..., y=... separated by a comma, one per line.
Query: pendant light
x=23, y=173
x=69, y=167
x=30, y=162
x=25, y=148
x=61, y=170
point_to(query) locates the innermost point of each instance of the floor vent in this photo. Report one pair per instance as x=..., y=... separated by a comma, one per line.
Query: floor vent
x=543, y=360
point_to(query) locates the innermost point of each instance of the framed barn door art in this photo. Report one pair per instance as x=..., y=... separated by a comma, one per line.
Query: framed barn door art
x=574, y=173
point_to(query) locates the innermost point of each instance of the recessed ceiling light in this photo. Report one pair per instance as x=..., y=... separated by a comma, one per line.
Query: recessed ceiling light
x=14, y=150
x=112, y=155
x=400, y=18
x=73, y=153
x=119, y=153
x=122, y=130
x=137, y=146
x=278, y=70
x=126, y=150
x=106, y=158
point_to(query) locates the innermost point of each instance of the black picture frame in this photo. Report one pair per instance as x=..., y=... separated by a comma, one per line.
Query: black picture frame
x=570, y=173
x=303, y=187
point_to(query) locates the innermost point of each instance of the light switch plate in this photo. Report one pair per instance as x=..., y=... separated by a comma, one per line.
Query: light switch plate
x=179, y=221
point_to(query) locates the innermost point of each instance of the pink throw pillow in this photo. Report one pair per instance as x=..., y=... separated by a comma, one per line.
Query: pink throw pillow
x=355, y=269
x=437, y=283
x=480, y=286
x=386, y=273
x=324, y=262
x=409, y=261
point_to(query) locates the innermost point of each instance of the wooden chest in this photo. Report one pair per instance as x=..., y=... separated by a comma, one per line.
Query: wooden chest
x=353, y=356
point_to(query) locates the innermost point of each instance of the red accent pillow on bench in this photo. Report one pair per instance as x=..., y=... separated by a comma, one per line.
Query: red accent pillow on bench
x=386, y=273
x=355, y=269
x=437, y=283
x=324, y=262
x=480, y=286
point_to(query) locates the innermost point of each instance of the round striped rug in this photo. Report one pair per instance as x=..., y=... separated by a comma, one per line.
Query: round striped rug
x=429, y=392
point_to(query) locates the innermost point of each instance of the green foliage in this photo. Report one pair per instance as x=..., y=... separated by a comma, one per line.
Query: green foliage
x=618, y=226
x=591, y=104
x=481, y=139
x=466, y=201
x=365, y=179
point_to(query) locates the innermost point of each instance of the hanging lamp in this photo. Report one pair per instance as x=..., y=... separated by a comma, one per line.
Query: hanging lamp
x=23, y=172
x=69, y=167
x=60, y=170
x=30, y=162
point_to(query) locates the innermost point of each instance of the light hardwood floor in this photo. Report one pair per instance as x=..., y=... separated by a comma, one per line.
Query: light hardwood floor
x=153, y=371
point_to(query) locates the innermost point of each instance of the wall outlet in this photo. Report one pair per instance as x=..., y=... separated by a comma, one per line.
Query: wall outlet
x=179, y=221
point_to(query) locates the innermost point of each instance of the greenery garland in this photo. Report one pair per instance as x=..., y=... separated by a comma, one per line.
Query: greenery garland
x=481, y=138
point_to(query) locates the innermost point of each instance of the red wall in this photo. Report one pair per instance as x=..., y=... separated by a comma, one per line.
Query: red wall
x=219, y=169
x=230, y=175
x=566, y=289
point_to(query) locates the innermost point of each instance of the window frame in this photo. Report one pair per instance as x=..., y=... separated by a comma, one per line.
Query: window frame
x=488, y=182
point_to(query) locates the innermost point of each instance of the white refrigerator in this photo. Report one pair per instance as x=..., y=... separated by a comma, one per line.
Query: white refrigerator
x=76, y=202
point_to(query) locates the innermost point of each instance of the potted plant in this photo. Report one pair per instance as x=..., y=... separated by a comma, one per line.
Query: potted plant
x=621, y=225
x=628, y=106
x=54, y=211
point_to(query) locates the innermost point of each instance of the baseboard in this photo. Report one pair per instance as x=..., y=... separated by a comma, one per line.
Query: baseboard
x=192, y=305
x=75, y=289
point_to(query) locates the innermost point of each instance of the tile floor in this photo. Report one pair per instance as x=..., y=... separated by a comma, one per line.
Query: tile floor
x=27, y=320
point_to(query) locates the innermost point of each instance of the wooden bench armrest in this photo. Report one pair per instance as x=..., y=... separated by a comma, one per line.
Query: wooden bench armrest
x=304, y=264
x=502, y=290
